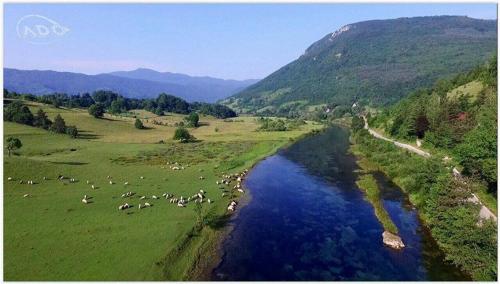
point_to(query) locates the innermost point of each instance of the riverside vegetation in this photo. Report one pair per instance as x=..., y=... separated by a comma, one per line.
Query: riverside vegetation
x=459, y=127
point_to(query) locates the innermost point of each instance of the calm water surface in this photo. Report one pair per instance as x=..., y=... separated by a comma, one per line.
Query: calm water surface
x=307, y=220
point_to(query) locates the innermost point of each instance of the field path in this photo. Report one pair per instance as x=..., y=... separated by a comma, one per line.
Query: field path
x=484, y=213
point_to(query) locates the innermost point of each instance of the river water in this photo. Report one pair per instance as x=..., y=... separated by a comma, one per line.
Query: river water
x=307, y=220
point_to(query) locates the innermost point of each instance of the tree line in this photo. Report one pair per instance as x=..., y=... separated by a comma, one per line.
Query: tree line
x=17, y=112
x=108, y=101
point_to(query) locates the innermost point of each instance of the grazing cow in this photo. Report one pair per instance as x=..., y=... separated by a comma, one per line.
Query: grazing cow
x=154, y=197
x=201, y=191
x=201, y=177
x=241, y=190
x=140, y=206
x=26, y=195
x=84, y=201
x=9, y=178
x=88, y=182
x=44, y=178
x=223, y=194
x=180, y=204
x=126, y=183
x=200, y=195
x=93, y=187
x=143, y=197
x=209, y=201
x=110, y=182
x=142, y=177
x=147, y=205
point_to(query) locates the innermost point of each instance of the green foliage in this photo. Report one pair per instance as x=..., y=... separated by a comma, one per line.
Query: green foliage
x=368, y=183
x=192, y=119
x=13, y=144
x=374, y=62
x=455, y=123
x=41, y=120
x=183, y=135
x=357, y=123
x=268, y=124
x=138, y=124
x=442, y=203
x=16, y=111
x=72, y=131
x=59, y=125
x=96, y=110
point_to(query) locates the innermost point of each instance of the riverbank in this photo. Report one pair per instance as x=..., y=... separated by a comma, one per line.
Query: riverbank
x=452, y=222
x=203, y=248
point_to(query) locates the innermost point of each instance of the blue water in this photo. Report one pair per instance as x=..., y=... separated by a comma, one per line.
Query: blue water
x=307, y=220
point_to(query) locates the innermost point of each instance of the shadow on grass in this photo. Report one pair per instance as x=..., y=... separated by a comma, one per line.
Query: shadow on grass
x=70, y=163
x=218, y=222
x=82, y=134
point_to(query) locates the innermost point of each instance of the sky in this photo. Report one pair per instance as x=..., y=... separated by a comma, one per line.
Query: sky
x=229, y=41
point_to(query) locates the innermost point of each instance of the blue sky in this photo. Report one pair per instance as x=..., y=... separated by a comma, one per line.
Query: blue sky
x=237, y=41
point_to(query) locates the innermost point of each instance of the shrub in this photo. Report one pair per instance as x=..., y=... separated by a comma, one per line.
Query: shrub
x=96, y=110
x=183, y=135
x=138, y=124
x=72, y=131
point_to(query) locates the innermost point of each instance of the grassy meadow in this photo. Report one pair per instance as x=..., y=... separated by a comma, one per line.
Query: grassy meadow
x=52, y=235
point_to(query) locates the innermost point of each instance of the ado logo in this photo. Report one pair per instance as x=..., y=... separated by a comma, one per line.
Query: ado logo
x=38, y=29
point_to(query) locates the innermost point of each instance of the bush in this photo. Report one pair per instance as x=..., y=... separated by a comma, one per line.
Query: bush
x=96, y=110
x=72, y=131
x=183, y=135
x=138, y=124
x=192, y=119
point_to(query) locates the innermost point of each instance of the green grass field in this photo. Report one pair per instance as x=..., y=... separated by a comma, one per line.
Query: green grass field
x=52, y=235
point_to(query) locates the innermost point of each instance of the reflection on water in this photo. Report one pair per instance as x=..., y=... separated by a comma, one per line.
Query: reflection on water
x=307, y=220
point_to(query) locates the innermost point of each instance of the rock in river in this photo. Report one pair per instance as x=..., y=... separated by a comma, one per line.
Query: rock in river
x=392, y=240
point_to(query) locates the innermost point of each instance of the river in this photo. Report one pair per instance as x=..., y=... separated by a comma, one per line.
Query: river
x=307, y=220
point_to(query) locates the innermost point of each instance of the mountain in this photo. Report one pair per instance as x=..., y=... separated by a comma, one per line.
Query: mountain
x=376, y=62
x=44, y=82
x=213, y=88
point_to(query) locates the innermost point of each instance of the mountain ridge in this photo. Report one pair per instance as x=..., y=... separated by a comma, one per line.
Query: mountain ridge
x=376, y=62
x=39, y=82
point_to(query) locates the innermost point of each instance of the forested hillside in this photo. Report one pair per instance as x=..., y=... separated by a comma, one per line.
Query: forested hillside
x=374, y=62
x=458, y=116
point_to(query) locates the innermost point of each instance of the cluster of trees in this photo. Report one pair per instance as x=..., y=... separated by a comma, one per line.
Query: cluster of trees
x=107, y=101
x=441, y=202
x=17, y=112
x=463, y=124
x=269, y=124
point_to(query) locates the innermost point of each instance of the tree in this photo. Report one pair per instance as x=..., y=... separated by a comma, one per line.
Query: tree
x=59, y=126
x=192, y=119
x=138, y=124
x=183, y=135
x=72, y=131
x=41, y=120
x=357, y=123
x=96, y=110
x=13, y=144
x=17, y=112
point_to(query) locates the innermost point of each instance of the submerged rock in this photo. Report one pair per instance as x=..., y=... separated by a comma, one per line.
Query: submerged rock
x=392, y=240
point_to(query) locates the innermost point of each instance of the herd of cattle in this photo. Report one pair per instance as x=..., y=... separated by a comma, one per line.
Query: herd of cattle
x=198, y=197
